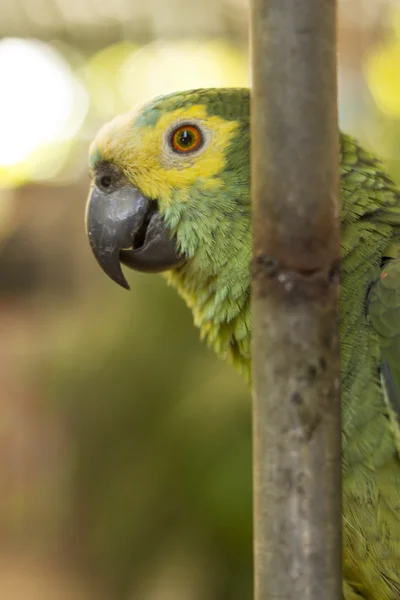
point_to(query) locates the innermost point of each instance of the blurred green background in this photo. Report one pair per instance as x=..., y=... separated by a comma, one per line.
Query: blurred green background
x=125, y=445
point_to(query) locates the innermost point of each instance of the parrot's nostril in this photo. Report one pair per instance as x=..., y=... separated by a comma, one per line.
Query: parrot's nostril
x=140, y=237
x=106, y=181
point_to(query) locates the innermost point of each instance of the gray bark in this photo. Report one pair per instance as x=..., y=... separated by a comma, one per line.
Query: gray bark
x=296, y=401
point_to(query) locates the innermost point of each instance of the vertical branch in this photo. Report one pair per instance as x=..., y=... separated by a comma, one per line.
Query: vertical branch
x=296, y=405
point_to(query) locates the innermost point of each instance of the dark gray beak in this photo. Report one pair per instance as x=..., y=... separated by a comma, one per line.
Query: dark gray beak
x=125, y=226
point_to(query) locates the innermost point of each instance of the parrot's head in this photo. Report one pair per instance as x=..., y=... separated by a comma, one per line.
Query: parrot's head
x=170, y=187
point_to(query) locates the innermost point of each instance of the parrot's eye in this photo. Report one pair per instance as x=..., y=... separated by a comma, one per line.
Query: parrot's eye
x=186, y=138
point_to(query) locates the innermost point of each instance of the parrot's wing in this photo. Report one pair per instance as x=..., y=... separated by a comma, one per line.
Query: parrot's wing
x=384, y=315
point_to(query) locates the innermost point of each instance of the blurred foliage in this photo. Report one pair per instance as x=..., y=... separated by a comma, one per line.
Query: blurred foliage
x=168, y=430
x=126, y=445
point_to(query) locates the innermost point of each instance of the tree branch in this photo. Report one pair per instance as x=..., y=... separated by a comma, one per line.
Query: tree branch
x=296, y=404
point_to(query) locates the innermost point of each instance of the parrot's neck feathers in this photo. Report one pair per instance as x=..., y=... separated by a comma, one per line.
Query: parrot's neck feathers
x=220, y=305
x=215, y=280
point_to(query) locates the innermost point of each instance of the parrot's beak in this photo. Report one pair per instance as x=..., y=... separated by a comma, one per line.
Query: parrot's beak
x=125, y=226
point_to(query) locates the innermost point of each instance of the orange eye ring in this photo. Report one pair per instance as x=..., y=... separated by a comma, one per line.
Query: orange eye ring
x=186, y=138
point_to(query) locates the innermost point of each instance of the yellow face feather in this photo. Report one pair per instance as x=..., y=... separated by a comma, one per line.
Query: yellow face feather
x=145, y=155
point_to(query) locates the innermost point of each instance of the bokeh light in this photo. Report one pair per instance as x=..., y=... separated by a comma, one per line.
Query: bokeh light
x=163, y=67
x=41, y=100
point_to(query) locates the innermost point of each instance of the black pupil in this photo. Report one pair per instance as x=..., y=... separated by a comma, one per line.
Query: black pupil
x=105, y=181
x=186, y=138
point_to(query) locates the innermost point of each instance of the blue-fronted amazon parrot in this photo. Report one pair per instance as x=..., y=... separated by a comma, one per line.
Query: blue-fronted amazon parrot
x=171, y=193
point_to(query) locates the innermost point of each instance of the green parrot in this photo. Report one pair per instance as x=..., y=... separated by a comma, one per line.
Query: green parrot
x=171, y=193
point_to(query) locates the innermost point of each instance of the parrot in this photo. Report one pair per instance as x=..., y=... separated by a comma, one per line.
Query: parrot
x=171, y=193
